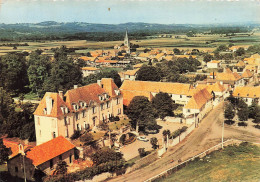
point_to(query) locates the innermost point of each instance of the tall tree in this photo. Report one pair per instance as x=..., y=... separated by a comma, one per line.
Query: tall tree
x=13, y=73
x=229, y=112
x=64, y=73
x=163, y=105
x=207, y=58
x=154, y=142
x=104, y=155
x=242, y=111
x=149, y=73
x=38, y=71
x=141, y=112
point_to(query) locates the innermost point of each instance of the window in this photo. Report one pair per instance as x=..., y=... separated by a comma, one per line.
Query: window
x=16, y=169
x=107, y=104
x=102, y=85
x=70, y=158
x=128, y=76
x=51, y=164
x=180, y=96
x=188, y=110
x=102, y=106
x=54, y=135
x=66, y=132
x=60, y=157
x=119, y=111
x=77, y=116
x=83, y=114
x=117, y=101
x=65, y=121
x=78, y=127
x=94, y=110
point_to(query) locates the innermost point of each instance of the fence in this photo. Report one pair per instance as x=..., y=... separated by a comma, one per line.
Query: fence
x=202, y=154
x=178, y=139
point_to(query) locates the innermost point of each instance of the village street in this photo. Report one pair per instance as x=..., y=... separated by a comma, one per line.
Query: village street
x=205, y=136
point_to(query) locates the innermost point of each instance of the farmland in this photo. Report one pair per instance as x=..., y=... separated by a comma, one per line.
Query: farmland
x=201, y=42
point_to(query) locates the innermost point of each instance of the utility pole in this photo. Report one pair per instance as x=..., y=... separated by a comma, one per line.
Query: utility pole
x=223, y=134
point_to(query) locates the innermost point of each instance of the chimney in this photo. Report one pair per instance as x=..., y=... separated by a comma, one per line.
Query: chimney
x=99, y=82
x=61, y=94
x=21, y=149
x=75, y=86
x=213, y=75
x=48, y=105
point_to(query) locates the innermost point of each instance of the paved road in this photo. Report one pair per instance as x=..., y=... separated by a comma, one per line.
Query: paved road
x=205, y=136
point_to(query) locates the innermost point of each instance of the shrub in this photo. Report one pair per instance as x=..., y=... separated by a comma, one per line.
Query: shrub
x=229, y=122
x=257, y=126
x=242, y=124
x=75, y=135
x=142, y=152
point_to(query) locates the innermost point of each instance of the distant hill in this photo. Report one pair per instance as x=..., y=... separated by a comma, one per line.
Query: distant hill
x=80, y=30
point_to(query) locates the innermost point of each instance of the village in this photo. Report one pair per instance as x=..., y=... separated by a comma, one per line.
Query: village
x=163, y=96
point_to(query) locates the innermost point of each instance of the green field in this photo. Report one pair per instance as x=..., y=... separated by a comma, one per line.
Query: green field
x=234, y=163
x=201, y=42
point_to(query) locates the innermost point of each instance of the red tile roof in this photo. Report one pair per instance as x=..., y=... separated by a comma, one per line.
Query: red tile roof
x=14, y=146
x=48, y=150
x=56, y=108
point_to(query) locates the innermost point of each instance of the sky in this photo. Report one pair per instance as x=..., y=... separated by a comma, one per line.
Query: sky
x=123, y=11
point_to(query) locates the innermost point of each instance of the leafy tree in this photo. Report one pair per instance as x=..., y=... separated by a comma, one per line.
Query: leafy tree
x=63, y=74
x=104, y=155
x=229, y=112
x=142, y=152
x=61, y=168
x=207, y=58
x=141, y=112
x=4, y=152
x=176, y=51
x=13, y=73
x=87, y=138
x=257, y=118
x=221, y=48
x=254, y=109
x=111, y=74
x=242, y=111
x=240, y=51
x=165, y=133
x=163, y=105
x=148, y=73
x=154, y=142
x=38, y=71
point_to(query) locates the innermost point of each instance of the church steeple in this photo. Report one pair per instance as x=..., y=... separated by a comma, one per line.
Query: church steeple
x=126, y=42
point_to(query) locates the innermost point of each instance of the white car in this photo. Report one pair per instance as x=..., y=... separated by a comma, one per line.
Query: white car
x=143, y=138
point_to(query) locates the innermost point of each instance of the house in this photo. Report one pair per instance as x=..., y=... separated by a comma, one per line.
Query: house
x=213, y=64
x=80, y=108
x=235, y=48
x=248, y=94
x=43, y=157
x=106, y=62
x=89, y=70
x=159, y=57
x=230, y=79
x=168, y=58
x=130, y=74
x=138, y=65
x=14, y=146
x=247, y=76
x=216, y=90
x=89, y=60
x=143, y=56
x=198, y=106
x=241, y=64
x=179, y=92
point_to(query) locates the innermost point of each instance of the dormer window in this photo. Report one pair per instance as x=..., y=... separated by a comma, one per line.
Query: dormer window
x=238, y=94
x=117, y=92
x=100, y=97
x=45, y=110
x=75, y=107
x=63, y=110
x=247, y=95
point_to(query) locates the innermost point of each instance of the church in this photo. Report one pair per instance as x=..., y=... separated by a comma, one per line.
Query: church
x=126, y=44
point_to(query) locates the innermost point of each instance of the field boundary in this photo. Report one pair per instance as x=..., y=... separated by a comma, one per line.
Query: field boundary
x=202, y=154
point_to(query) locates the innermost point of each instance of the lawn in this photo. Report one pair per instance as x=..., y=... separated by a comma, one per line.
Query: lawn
x=118, y=124
x=234, y=163
x=108, y=69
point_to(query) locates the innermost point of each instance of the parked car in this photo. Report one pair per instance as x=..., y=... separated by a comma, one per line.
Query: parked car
x=143, y=138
